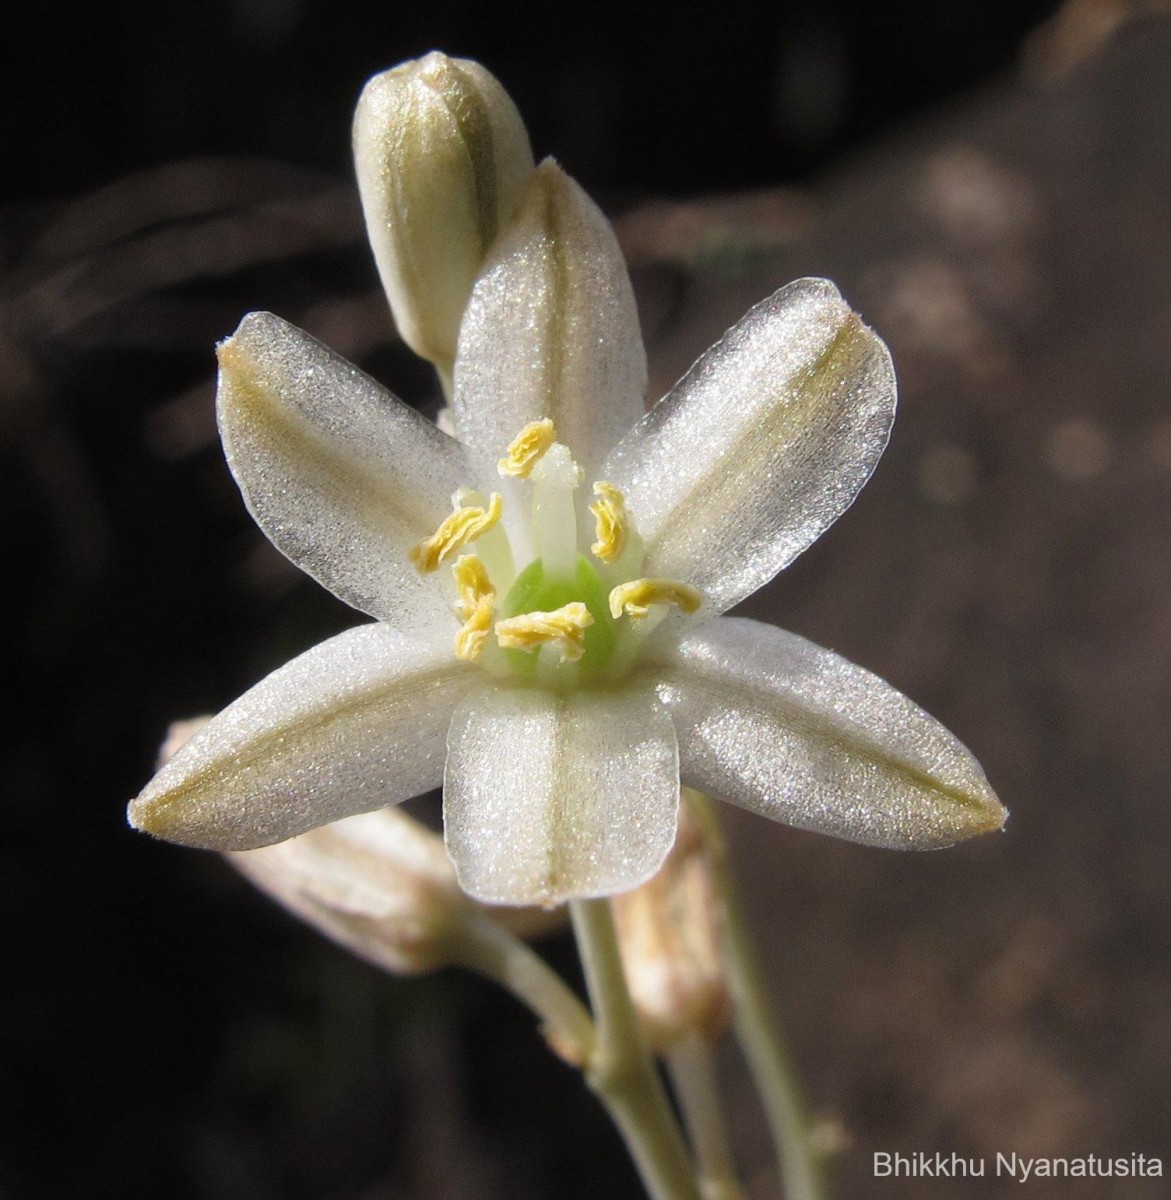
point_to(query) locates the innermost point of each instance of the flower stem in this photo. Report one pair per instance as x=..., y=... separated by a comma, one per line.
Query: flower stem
x=620, y=1069
x=693, y=1077
x=488, y=948
x=760, y=1037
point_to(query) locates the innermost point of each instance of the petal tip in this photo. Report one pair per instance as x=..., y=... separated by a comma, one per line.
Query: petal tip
x=186, y=822
x=138, y=815
x=153, y=812
x=233, y=351
x=489, y=883
x=991, y=816
x=971, y=813
x=150, y=812
x=177, y=807
x=549, y=893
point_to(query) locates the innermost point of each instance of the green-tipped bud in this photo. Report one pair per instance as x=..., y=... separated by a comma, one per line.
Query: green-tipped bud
x=442, y=157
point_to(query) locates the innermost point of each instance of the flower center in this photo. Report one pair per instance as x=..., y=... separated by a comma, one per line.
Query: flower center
x=540, y=601
x=564, y=621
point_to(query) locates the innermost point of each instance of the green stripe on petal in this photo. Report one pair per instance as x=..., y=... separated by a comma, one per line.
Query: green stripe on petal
x=551, y=329
x=549, y=797
x=761, y=446
x=357, y=723
x=343, y=477
x=778, y=725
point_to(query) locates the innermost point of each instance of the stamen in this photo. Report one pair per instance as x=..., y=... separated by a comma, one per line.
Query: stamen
x=636, y=597
x=527, y=449
x=477, y=599
x=563, y=628
x=463, y=526
x=611, y=525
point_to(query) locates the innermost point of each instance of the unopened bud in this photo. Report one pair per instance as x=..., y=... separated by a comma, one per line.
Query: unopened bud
x=379, y=884
x=670, y=932
x=179, y=733
x=442, y=157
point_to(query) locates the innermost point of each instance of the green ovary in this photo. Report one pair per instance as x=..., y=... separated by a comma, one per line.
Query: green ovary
x=535, y=591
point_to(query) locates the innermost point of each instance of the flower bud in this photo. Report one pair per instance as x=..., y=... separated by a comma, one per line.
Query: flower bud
x=670, y=931
x=179, y=733
x=379, y=884
x=442, y=157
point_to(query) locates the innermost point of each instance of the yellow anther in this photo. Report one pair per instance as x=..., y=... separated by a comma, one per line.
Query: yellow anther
x=636, y=597
x=611, y=524
x=477, y=599
x=463, y=526
x=564, y=628
x=471, y=577
x=527, y=448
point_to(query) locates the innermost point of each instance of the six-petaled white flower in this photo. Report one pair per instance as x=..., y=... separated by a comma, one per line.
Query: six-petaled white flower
x=547, y=586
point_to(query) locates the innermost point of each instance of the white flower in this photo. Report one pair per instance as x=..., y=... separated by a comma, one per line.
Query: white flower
x=548, y=588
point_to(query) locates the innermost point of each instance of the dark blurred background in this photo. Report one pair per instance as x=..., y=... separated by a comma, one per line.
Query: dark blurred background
x=991, y=185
